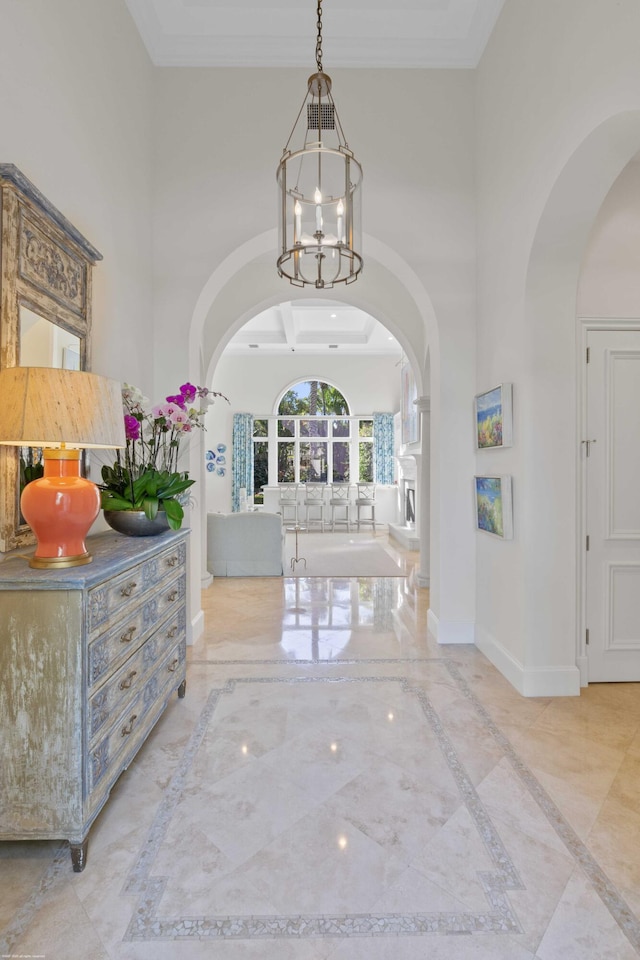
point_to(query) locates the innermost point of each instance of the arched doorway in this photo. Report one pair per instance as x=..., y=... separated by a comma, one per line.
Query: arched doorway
x=391, y=292
x=321, y=380
x=554, y=630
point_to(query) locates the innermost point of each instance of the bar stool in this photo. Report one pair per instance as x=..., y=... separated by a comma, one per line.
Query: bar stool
x=366, y=500
x=314, y=500
x=289, y=502
x=338, y=500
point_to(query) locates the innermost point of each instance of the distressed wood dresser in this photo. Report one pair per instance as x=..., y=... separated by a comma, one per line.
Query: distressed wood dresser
x=89, y=658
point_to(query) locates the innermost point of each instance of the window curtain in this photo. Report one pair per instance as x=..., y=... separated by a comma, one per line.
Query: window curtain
x=242, y=458
x=383, y=463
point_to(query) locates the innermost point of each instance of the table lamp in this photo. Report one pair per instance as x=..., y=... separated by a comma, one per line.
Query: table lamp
x=62, y=411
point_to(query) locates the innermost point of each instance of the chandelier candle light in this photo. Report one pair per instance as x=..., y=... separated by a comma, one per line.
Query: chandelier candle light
x=319, y=191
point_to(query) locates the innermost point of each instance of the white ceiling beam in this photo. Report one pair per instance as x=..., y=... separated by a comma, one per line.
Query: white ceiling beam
x=289, y=326
x=332, y=336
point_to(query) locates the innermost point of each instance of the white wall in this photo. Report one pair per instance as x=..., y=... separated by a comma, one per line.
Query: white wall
x=76, y=89
x=76, y=98
x=557, y=90
x=610, y=277
x=254, y=384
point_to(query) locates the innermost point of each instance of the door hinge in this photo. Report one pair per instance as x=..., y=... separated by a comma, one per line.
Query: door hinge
x=586, y=636
x=587, y=541
x=588, y=354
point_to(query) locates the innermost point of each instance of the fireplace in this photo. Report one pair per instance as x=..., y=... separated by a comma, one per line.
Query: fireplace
x=405, y=531
x=410, y=505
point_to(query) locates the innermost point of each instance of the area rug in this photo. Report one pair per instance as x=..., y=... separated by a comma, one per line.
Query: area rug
x=338, y=555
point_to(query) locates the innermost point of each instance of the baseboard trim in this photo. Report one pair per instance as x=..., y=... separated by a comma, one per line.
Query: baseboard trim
x=583, y=667
x=450, y=631
x=529, y=681
x=504, y=661
x=197, y=628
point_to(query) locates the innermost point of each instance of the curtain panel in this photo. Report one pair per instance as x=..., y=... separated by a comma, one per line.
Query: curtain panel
x=242, y=458
x=383, y=447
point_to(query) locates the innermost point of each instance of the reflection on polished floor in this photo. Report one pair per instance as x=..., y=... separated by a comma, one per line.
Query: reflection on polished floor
x=336, y=785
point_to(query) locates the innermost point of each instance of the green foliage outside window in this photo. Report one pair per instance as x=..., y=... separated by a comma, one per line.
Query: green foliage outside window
x=365, y=451
x=286, y=465
x=260, y=469
x=309, y=399
x=315, y=398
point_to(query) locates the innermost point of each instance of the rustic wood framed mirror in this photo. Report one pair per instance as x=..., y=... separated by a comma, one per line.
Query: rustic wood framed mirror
x=45, y=313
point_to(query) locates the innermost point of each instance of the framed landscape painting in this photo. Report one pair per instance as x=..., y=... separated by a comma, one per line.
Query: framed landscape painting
x=493, y=506
x=493, y=418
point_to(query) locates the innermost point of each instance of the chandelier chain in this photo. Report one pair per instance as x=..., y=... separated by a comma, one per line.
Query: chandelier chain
x=319, y=39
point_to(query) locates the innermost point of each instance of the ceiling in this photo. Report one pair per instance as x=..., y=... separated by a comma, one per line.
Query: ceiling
x=313, y=327
x=282, y=33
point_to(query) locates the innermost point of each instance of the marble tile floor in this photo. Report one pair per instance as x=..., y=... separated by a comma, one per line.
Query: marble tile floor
x=337, y=786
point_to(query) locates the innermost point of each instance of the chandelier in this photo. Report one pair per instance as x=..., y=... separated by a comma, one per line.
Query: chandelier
x=319, y=185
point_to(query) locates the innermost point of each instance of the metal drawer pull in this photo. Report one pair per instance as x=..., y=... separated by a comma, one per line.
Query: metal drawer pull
x=171, y=561
x=128, y=635
x=128, y=590
x=172, y=632
x=128, y=727
x=173, y=595
x=173, y=666
x=126, y=683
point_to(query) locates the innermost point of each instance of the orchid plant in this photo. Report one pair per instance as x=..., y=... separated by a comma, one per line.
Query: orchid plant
x=146, y=475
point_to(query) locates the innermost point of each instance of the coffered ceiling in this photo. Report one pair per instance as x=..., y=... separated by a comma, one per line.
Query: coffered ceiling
x=312, y=327
x=282, y=33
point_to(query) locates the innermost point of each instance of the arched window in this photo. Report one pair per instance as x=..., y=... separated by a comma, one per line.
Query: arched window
x=313, y=444
x=313, y=398
x=312, y=438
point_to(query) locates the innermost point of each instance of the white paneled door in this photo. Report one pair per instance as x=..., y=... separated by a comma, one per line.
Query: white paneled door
x=612, y=452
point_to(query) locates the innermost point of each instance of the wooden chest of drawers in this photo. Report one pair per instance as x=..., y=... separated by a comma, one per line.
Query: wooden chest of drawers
x=89, y=657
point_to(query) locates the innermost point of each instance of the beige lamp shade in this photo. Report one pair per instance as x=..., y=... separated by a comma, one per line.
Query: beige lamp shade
x=49, y=407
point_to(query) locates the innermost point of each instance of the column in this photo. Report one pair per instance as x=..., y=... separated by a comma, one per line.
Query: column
x=423, y=491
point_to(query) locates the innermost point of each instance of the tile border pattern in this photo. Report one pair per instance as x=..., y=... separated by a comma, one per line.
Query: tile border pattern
x=603, y=886
x=498, y=918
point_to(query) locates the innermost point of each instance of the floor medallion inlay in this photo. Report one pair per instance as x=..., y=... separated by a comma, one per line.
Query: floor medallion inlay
x=496, y=880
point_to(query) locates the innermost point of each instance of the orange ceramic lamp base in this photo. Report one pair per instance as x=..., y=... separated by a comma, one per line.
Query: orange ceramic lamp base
x=60, y=508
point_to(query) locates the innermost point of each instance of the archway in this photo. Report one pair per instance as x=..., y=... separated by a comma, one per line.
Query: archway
x=315, y=340
x=246, y=282
x=551, y=458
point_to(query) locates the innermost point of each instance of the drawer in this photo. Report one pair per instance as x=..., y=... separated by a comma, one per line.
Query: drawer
x=107, y=652
x=114, y=599
x=165, y=564
x=125, y=683
x=136, y=718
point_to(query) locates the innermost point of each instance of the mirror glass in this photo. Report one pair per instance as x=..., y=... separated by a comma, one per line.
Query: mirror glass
x=45, y=344
x=42, y=344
